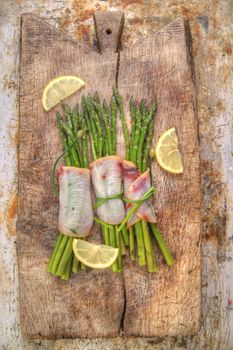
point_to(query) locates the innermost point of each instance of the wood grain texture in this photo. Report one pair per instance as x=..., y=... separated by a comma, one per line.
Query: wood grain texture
x=91, y=303
x=108, y=30
x=167, y=302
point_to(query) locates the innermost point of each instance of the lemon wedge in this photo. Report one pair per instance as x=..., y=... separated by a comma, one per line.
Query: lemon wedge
x=98, y=256
x=167, y=152
x=60, y=88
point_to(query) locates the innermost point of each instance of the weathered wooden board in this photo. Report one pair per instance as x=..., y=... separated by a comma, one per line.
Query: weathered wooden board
x=168, y=302
x=90, y=304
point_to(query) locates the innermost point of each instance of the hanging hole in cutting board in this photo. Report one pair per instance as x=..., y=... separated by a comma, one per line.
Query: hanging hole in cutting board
x=108, y=31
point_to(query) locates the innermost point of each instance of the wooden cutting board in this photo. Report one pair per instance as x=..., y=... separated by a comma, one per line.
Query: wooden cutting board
x=101, y=303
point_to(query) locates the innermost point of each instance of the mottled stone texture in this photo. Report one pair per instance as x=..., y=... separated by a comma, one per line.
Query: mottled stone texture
x=212, y=29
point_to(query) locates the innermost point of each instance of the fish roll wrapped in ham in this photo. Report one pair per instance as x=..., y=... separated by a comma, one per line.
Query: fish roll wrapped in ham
x=136, y=191
x=106, y=177
x=131, y=173
x=75, y=204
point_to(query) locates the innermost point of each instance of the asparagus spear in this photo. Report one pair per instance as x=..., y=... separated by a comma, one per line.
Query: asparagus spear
x=131, y=243
x=147, y=119
x=123, y=120
x=162, y=245
x=132, y=154
x=147, y=146
x=55, y=250
x=90, y=127
x=107, y=122
x=66, y=256
x=114, y=124
x=59, y=254
x=66, y=274
x=136, y=137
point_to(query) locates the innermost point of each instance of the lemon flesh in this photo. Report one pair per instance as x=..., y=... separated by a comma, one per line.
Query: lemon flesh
x=98, y=256
x=167, y=152
x=60, y=88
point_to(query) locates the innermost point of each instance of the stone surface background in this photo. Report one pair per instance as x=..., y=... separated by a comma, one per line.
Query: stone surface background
x=212, y=31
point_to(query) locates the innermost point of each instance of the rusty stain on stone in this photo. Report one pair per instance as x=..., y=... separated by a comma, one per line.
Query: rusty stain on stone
x=83, y=33
x=227, y=49
x=130, y=2
x=16, y=138
x=9, y=83
x=1, y=218
x=220, y=106
x=225, y=73
x=10, y=214
x=86, y=14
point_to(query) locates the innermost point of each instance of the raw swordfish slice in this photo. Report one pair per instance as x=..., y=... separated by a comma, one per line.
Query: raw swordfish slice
x=106, y=177
x=136, y=190
x=131, y=173
x=75, y=205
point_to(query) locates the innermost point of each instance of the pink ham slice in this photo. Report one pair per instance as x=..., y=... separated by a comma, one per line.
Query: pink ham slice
x=75, y=205
x=131, y=173
x=106, y=177
x=136, y=190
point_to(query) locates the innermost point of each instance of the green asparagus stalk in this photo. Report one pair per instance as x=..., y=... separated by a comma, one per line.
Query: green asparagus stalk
x=118, y=245
x=140, y=243
x=114, y=124
x=59, y=254
x=83, y=267
x=147, y=146
x=162, y=245
x=67, y=254
x=68, y=160
x=133, y=110
x=94, y=110
x=105, y=235
x=133, y=145
x=136, y=137
x=122, y=244
x=125, y=235
x=66, y=274
x=107, y=122
x=75, y=120
x=146, y=118
x=113, y=243
x=55, y=250
x=131, y=243
x=146, y=122
x=75, y=264
x=85, y=149
x=123, y=121
x=150, y=254
x=92, y=133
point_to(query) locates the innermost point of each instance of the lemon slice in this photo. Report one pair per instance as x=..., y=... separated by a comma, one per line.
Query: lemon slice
x=98, y=256
x=60, y=88
x=167, y=152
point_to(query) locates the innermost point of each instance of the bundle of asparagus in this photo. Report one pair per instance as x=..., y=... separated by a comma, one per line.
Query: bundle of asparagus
x=97, y=122
x=138, y=145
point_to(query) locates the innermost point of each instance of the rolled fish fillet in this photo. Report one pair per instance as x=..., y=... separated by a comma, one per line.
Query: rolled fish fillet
x=131, y=173
x=136, y=190
x=75, y=205
x=106, y=177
